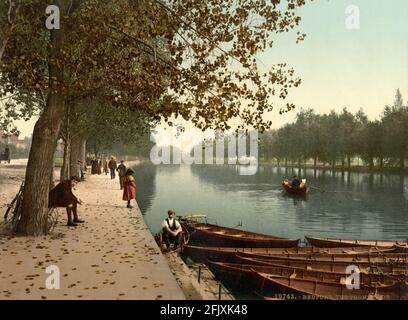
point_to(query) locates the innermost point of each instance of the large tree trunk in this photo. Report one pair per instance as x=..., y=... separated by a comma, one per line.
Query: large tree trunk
x=381, y=162
x=37, y=179
x=315, y=162
x=349, y=163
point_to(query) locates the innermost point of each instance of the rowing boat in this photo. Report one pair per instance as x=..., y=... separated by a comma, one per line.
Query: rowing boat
x=227, y=254
x=213, y=235
x=241, y=274
x=379, y=257
x=398, y=269
x=300, y=191
x=336, y=243
x=327, y=290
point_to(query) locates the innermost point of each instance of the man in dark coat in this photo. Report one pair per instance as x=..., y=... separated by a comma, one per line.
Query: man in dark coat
x=295, y=182
x=94, y=166
x=61, y=196
x=122, y=173
x=112, y=167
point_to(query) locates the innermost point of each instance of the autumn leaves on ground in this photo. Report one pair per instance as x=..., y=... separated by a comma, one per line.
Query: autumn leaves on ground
x=111, y=256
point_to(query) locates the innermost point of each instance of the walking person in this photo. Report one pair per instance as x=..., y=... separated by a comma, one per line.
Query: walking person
x=122, y=172
x=99, y=166
x=129, y=187
x=105, y=166
x=94, y=166
x=112, y=167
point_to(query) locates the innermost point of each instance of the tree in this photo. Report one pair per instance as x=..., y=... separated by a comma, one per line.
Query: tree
x=208, y=70
x=395, y=120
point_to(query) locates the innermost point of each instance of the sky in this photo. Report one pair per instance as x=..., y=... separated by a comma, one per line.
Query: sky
x=339, y=67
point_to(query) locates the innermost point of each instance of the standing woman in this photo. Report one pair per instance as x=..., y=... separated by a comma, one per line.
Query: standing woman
x=129, y=187
x=94, y=164
x=99, y=167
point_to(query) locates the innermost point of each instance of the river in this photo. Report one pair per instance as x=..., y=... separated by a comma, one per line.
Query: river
x=340, y=205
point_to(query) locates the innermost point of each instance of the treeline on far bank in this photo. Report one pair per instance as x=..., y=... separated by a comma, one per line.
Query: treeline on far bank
x=341, y=140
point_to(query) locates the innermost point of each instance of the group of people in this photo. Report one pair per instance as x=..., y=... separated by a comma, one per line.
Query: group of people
x=62, y=196
x=97, y=165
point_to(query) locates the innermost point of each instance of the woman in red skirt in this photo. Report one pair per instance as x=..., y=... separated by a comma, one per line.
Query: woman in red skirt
x=129, y=187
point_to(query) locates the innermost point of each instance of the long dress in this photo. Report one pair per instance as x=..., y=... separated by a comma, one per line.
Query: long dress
x=99, y=167
x=129, y=188
x=94, y=164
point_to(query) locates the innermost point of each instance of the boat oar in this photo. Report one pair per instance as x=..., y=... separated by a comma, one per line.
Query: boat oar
x=331, y=191
x=317, y=189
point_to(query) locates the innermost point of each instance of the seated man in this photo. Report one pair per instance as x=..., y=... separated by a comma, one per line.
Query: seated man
x=171, y=230
x=61, y=196
x=295, y=182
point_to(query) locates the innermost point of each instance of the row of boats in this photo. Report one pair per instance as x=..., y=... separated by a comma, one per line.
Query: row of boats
x=275, y=267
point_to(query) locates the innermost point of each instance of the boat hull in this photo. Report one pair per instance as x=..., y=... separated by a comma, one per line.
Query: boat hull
x=216, y=236
x=337, y=243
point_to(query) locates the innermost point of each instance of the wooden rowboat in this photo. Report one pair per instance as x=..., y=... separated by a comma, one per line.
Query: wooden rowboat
x=399, y=270
x=301, y=191
x=241, y=274
x=372, y=258
x=327, y=290
x=213, y=236
x=227, y=254
x=336, y=243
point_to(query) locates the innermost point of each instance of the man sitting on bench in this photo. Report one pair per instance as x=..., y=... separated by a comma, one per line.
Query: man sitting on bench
x=61, y=196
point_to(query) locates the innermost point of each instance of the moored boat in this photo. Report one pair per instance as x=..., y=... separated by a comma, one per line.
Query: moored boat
x=227, y=254
x=336, y=243
x=327, y=290
x=379, y=257
x=212, y=235
x=240, y=274
x=399, y=270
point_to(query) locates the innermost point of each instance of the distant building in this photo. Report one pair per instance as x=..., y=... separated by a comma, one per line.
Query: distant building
x=12, y=140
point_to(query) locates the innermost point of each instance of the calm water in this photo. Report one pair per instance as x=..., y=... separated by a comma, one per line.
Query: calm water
x=349, y=205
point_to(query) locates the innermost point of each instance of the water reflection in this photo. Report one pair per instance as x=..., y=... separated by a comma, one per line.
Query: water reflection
x=342, y=204
x=145, y=178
